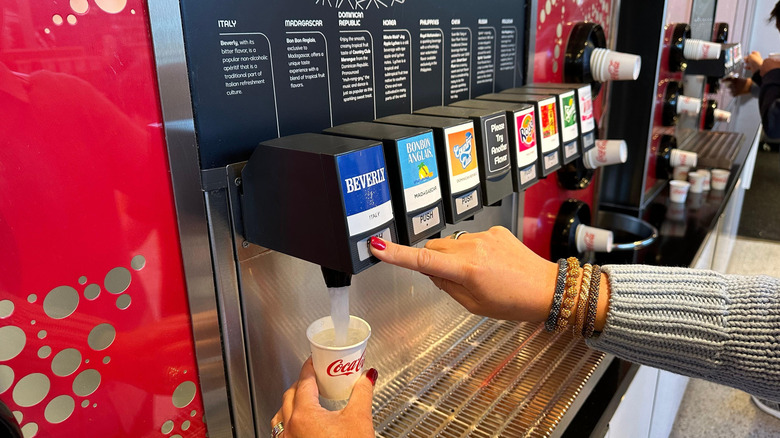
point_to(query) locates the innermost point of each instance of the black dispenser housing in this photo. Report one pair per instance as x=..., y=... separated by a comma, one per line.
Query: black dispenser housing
x=319, y=198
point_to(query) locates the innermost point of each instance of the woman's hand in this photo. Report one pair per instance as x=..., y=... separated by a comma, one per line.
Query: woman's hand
x=753, y=61
x=738, y=86
x=769, y=64
x=490, y=273
x=303, y=417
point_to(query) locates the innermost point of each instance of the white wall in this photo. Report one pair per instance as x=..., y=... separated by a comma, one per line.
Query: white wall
x=764, y=37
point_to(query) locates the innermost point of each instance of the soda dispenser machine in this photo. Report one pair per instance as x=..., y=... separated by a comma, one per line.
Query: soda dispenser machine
x=205, y=171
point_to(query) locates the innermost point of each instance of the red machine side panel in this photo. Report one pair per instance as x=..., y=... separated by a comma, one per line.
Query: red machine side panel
x=95, y=332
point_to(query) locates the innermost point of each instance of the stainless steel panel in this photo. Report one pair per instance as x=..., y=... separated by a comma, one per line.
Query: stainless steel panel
x=190, y=208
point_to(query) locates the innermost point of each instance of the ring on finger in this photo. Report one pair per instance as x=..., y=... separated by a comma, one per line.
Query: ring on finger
x=457, y=234
x=277, y=430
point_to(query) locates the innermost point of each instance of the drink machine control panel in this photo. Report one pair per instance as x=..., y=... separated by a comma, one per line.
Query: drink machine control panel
x=546, y=112
x=319, y=198
x=413, y=175
x=583, y=96
x=457, y=161
x=568, y=128
x=492, y=144
x=522, y=139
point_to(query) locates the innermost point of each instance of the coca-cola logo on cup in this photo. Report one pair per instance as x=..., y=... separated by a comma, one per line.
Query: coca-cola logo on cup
x=341, y=368
x=613, y=68
x=601, y=152
x=590, y=239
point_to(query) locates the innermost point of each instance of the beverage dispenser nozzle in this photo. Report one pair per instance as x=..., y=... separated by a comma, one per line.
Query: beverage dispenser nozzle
x=334, y=278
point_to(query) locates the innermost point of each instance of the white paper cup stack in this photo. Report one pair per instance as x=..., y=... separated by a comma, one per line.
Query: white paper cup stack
x=606, y=152
x=608, y=65
x=699, y=49
x=678, y=191
x=688, y=105
x=593, y=239
x=683, y=158
x=337, y=368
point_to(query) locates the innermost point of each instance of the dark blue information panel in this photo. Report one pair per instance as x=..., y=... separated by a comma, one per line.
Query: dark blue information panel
x=270, y=68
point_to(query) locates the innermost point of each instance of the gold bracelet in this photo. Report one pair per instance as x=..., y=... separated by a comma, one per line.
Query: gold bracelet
x=570, y=295
x=582, y=303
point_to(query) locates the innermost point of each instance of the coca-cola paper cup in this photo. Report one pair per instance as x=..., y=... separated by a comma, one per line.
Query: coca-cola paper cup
x=680, y=173
x=707, y=178
x=719, y=179
x=605, y=153
x=721, y=115
x=683, y=158
x=608, y=65
x=700, y=49
x=697, y=182
x=678, y=191
x=593, y=239
x=337, y=368
x=688, y=105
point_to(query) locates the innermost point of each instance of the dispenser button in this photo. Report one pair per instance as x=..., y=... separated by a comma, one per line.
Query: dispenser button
x=466, y=202
x=362, y=245
x=550, y=160
x=570, y=149
x=588, y=141
x=426, y=220
x=527, y=175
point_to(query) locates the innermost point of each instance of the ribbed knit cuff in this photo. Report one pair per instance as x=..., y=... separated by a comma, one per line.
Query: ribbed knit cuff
x=723, y=328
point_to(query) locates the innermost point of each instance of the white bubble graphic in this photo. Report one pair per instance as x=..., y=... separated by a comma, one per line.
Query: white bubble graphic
x=117, y=280
x=111, y=6
x=79, y=6
x=86, y=383
x=185, y=425
x=59, y=409
x=138, y=262
x=31, y=390
x=29, y=430
x=167, y=427
x=6, y=378
x=66, y=362
x=101, y=337
x=123, y=301
x=41, y=334
x=13, y=343
x=61, y=302
x=184, y=394
x=32, y=298
x=18, y=415
x=6, y=308
x=44, y=352
x=91, y=292
x=85, y=403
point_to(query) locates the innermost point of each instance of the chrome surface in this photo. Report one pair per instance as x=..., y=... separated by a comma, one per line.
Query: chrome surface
x=179, y=127
x=645, y=232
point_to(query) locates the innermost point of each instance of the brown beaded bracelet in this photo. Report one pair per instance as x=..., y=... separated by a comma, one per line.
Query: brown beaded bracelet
x=582, y=302
x=593, y=300
x=570, y=296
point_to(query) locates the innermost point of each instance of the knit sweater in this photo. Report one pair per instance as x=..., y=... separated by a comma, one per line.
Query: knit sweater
x=721, y=328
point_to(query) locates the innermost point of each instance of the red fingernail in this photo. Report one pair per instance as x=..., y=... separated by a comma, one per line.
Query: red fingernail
x=372, y=375
x=377, y=243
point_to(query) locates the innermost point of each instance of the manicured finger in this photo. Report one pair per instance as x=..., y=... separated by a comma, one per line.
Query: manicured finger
x=423, y=260
x=363, y=393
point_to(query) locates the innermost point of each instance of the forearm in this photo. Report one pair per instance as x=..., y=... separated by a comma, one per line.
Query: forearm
x=696, y=323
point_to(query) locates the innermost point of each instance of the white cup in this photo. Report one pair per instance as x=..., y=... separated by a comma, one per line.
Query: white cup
x=593, y=239
x=700, y=49
x=719, y=179
x=683, y=158
x=707, y=178
x=721, y=115
x=606, y=152
x=678, y=191
x=775, y=56
x=680, y=173
x=697, y=182
x=688, y=105
x=338, y=368
x=606, y=65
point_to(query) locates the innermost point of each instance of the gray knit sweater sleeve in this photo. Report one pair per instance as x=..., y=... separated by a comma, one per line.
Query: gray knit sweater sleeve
x=722, y=328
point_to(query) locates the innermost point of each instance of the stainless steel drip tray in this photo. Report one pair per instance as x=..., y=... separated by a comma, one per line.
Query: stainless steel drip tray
x=714, y=148
x=489, y=378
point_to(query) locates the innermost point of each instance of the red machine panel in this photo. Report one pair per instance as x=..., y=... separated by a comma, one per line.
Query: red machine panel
x=554, y=20
x=96, y=338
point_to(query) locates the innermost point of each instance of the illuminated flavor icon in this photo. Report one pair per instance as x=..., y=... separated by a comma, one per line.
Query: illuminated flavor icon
x=463, y=152
x=527, y=131
x=423, y=171
x=569, y=112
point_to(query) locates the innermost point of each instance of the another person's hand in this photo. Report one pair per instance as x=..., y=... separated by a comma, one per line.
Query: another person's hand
x=738, y=86
x=302, y=416
x=769, y=64
x=753, y=61
x=490, y=273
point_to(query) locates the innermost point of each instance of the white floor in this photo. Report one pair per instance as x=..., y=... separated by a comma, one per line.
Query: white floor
x=715, y=411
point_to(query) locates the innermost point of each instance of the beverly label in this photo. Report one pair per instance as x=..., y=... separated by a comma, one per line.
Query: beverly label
x=365, y=190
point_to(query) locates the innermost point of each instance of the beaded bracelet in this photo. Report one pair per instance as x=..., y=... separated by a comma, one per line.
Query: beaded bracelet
x=570, y=295
x=560, y=283
x=593, y=299
x=582, y=302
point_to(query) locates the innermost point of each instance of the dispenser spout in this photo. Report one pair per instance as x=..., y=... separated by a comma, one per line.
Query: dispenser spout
x=334, y=278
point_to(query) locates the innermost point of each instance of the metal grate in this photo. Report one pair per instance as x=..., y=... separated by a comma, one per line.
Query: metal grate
x=714, y=149
x=487, y=378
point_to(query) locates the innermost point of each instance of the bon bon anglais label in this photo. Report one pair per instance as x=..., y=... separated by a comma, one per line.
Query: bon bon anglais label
x=420, y=175
x=365, y=189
